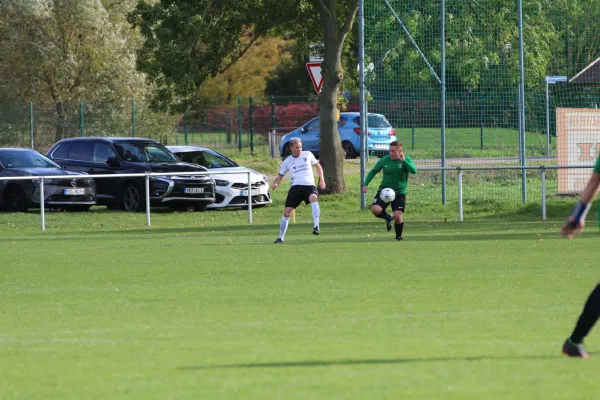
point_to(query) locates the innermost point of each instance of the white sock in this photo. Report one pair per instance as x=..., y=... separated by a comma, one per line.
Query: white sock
x=316, y=213
x=283, y=225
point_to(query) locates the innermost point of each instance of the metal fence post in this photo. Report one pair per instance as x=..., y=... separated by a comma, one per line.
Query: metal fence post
x=481, y=118
x=132, y=118
x=273, y=112
x=31, y=124
x=185, y=126
x=240, y=123
x=414, y=120
x=251, y=126
x=460, y=195
x=81, y=123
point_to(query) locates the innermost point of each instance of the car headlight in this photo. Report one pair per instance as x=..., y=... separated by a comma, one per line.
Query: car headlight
x=265, y=178
x=220, y=182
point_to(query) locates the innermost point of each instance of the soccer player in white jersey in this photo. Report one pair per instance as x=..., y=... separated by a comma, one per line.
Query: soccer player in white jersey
x=302, y=187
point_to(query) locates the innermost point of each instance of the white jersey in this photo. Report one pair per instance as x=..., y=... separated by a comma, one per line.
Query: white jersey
x=300, y=168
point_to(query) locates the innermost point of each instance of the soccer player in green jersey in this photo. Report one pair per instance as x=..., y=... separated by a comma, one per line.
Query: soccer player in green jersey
x=396, y=167
x=573, y=346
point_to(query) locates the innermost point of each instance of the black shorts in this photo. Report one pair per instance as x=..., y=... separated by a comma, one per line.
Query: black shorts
x=298, y=194
x=398, y=204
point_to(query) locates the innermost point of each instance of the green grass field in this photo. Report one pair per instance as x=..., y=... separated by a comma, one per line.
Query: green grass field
x=204, y=306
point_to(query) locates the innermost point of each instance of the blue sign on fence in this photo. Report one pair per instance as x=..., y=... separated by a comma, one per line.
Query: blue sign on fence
x=554, y=79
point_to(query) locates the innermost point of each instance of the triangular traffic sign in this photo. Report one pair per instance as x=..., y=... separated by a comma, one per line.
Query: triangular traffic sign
x=314, y=70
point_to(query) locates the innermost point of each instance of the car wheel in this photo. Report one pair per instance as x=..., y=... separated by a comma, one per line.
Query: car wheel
x=200, y=207
x=14, y=199
x=286, y=151
x=133, y=199
x=349, y=150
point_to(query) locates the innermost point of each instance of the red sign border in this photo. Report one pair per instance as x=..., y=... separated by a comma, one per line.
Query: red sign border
x=312, y=78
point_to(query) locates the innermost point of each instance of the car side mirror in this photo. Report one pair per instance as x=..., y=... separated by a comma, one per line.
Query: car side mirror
x=113, y=161
x=304, y=130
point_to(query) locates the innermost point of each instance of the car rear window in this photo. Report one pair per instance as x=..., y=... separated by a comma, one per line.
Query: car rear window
x=145, y=152
x=375, y=121
x=61, y=151
x=81, y=151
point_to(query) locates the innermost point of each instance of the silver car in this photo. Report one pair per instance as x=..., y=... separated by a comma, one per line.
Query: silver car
x=231, y=189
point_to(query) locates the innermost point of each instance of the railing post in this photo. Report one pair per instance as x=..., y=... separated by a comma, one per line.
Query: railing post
x=147, y=196
x=42, y=204
x=460, y=195
x=272, y=143
x=543, y=170
x=249, y=198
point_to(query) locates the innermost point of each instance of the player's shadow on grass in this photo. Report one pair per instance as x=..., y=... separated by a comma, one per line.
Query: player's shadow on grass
x=332, y=363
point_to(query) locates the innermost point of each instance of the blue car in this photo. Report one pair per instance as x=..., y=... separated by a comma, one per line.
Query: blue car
x=379, y=135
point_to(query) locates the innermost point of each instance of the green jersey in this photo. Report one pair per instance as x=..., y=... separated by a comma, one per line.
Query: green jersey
x=597, y=166
x=395, y=173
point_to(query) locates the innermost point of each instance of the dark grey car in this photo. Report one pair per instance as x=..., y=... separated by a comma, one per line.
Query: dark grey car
x=64, y=192
x=118, y=155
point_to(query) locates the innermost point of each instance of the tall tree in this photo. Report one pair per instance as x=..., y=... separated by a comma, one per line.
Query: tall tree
x=247, y=77
x=188, y=41
x=55, y=52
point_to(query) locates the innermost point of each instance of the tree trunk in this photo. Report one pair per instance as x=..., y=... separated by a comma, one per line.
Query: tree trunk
x=330, y=147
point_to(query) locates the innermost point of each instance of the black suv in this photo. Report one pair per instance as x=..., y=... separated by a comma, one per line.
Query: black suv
x=113, y=155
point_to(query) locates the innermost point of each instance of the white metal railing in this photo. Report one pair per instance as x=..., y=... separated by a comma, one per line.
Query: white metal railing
x=542, y=169
x=147, y=186
x=459, y=169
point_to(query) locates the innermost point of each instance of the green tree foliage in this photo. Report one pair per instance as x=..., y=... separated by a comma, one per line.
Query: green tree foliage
x=578, y=35
x=57, y=53
x=481, y=43
x=188, y=41
x=248, y=76
x=290, y=77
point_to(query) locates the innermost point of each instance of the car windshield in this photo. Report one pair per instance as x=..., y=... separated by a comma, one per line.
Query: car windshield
x=25, y=159
x=207, y=158
x=143, y=152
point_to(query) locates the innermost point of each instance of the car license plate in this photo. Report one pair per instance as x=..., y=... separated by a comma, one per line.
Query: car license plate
x=75, y=192
x=381, y=146
x=193, y=190
x=254, y=192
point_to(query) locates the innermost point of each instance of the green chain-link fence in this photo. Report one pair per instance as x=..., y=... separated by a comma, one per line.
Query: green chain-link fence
x=404, y=60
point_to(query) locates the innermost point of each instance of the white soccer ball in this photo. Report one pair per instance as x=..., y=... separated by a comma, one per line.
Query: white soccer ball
x=388, y=195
